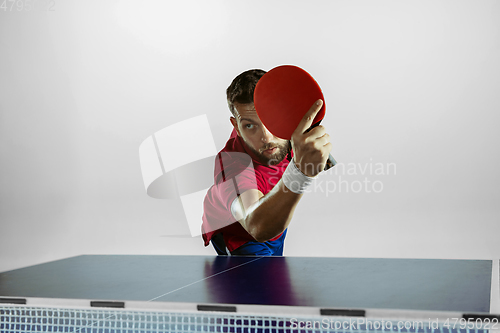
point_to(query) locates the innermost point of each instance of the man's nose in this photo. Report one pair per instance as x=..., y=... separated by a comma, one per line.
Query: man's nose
x=266, y=135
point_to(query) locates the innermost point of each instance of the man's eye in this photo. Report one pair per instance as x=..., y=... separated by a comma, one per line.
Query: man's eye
x=249, y=126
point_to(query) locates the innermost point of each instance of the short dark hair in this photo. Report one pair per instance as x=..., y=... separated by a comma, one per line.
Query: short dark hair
x=242, y=87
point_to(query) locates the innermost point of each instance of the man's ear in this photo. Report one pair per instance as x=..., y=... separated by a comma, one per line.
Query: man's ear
x=235, y=125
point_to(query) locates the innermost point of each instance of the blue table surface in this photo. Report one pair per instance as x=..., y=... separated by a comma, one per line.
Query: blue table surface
x=359, y=283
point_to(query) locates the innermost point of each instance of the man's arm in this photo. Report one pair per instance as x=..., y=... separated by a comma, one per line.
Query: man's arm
x=266, y=216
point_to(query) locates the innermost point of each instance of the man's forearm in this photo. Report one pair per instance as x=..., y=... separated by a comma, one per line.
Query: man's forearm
x=271, y=214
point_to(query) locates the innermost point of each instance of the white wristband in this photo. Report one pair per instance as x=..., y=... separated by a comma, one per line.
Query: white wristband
x=295, y=180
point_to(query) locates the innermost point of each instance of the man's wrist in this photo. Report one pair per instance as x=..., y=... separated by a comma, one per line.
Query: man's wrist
x=295, y=180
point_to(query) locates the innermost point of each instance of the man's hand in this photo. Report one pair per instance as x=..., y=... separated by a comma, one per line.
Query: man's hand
x=311, y=149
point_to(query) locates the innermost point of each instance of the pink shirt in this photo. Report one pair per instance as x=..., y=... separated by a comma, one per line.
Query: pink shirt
x=236, y=170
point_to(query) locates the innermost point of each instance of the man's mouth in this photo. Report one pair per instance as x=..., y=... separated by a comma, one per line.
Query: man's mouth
x=270, y=150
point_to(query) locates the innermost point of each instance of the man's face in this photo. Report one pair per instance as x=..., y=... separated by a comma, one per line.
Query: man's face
x=268, y=148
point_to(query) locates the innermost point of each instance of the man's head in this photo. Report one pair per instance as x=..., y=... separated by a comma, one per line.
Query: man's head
x=268, y=148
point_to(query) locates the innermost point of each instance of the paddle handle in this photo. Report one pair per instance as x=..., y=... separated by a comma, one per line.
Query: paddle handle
x=330, y=162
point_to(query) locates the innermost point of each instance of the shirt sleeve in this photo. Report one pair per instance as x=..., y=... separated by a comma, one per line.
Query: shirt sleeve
x=238, y=177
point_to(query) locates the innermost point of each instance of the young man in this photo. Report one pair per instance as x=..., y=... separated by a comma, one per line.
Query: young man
x=259, y=179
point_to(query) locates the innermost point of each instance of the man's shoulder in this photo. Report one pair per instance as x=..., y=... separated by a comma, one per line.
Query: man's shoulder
x=229, y=164
x=232, y=159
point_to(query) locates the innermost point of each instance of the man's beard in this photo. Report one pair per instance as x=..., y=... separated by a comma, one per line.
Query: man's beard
x=277, y=157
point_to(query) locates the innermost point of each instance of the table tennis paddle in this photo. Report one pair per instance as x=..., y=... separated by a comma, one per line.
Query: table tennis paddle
x=283, y=96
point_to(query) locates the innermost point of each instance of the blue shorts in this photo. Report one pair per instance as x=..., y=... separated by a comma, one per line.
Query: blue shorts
x=252, y=248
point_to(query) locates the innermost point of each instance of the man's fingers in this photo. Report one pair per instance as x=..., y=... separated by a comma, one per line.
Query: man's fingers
x=314, y=133
x=308, y=118
x=323, y=140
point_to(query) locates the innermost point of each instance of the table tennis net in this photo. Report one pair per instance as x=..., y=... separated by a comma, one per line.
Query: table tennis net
x=37, y=319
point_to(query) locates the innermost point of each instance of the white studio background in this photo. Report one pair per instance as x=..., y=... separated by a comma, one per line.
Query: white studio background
x=412, y=95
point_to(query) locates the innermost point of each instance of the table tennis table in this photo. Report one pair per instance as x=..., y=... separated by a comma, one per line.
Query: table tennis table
x=155, y=293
